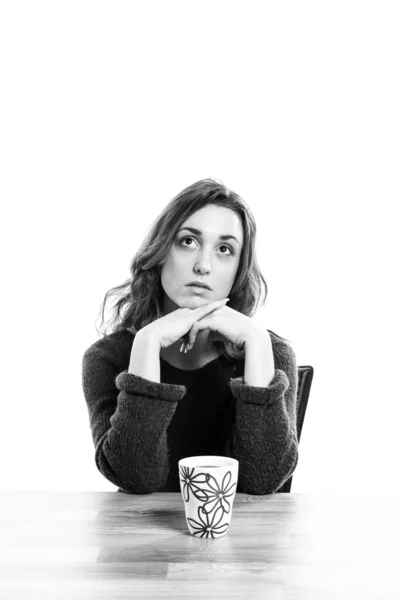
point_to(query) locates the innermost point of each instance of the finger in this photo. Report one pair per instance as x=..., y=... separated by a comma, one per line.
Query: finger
x=201, y=312
x=201, y=323
x=196, y=327
x=207, y=308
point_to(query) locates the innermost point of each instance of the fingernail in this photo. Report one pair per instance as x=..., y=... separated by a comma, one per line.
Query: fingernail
x=181, y=348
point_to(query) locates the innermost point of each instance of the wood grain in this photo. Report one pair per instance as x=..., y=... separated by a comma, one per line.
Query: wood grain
x=91, y=545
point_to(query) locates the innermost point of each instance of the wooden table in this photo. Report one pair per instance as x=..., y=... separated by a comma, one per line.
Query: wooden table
x=282, y=546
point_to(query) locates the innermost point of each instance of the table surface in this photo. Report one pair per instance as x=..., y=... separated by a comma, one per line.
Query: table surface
x=113, y=545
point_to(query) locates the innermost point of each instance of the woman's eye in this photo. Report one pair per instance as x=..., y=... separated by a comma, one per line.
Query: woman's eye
x=186, y=238
x=222, y=245
x=225, y=246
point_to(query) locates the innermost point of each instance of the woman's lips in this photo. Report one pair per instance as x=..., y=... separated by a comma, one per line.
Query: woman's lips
x=198, y=288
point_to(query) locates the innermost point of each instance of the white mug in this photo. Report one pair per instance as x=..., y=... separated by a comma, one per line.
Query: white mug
x=208, y=486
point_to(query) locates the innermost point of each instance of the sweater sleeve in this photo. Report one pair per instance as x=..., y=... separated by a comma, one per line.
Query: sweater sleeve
x=264, y=437
x=129, y=416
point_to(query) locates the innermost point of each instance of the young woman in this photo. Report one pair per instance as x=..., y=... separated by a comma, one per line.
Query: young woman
x=186, y=371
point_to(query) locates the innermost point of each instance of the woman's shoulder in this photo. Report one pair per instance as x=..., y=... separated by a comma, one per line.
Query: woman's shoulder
x=115, y=344
x=282, y=349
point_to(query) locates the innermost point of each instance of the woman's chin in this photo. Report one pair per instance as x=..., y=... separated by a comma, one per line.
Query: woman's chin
x=195, y=300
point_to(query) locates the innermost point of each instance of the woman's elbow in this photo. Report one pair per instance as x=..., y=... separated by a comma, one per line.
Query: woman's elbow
x=130, y=483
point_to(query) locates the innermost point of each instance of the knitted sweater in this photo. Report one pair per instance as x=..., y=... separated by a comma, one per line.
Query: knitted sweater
x=142, y=428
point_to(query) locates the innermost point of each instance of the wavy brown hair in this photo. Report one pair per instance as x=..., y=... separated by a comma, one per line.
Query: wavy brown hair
x=139, y=299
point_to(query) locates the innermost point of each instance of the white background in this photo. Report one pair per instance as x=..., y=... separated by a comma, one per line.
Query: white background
x=108, y=110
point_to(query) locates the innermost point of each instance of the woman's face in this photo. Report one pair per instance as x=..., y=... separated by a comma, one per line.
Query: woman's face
x=203, y=256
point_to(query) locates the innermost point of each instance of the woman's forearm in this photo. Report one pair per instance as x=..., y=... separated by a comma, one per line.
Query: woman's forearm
x=259, y=367
x=259, y=359
x=145, y=357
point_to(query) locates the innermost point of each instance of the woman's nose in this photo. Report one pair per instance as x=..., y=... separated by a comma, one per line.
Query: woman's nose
x=202, y=266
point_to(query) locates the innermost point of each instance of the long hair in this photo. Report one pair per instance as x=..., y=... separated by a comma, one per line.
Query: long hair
x=139, y=299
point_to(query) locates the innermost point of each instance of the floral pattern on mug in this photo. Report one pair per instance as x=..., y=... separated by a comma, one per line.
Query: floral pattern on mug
x=207, y=526
x=191, y=483
x=219, y=494
x=213, y=496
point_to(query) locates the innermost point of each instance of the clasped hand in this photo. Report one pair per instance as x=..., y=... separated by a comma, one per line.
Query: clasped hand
x=227, y=323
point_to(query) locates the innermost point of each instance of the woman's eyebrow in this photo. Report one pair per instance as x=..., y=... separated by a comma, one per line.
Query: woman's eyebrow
x=221, y=237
